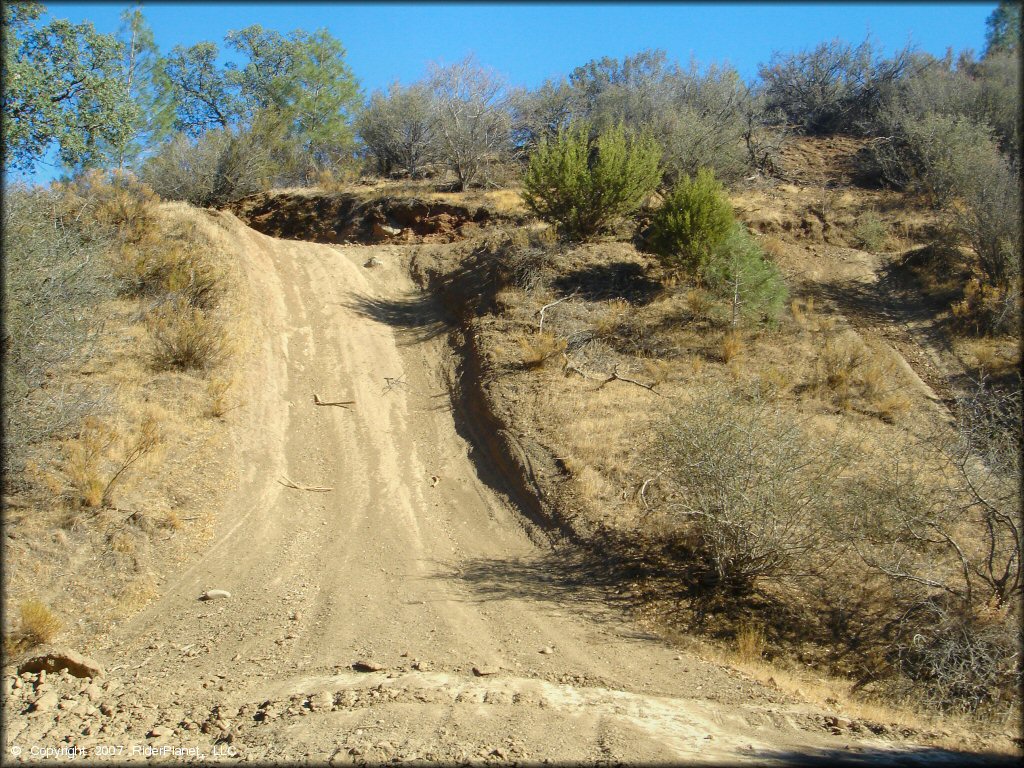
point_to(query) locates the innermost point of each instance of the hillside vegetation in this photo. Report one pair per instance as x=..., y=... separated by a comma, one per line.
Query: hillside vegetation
x=754, y=347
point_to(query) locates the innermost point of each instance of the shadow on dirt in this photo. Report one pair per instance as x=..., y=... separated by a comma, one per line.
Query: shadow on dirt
x=901, y=758
x=562, y=577
x=600, y=282
x=417, y=317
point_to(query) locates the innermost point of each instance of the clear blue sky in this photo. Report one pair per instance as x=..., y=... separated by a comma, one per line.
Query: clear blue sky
x=530, y=42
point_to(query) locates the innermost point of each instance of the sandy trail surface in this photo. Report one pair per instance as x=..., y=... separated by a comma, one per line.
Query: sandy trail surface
x=404, y=613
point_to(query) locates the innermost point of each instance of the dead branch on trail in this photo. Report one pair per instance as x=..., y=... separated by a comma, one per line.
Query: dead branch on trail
x=289, y=483
x=390, y=383
x=340, y=403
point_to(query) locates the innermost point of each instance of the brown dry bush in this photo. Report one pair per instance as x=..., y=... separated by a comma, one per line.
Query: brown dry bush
x=850, y=375
x=37, y=626
x=54, y=282
x=939, y=517
x=99, y=457
x=185, y=337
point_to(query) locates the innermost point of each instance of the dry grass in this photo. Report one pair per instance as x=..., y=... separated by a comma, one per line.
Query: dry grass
x=37, y=626
x=537, y=350
x=86, y=457
x=732, y=346
x=72, y=482
x=749, y=643
x=850, y=375
x=218, y=391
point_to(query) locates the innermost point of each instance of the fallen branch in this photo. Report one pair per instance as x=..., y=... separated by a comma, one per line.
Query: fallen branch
x=339, y=403
x=546, y=307
x=570, y=366
x=289, y=483
x=643, y=488
x=390, y=383
x=616, y=377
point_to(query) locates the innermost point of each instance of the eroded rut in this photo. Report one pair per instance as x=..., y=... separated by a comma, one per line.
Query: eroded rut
x=402, y=614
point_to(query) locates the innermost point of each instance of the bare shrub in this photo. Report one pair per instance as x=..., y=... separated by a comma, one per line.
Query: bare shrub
x=750, y=487
x=990, y=219
x=217, y=168
x=936, y=155
x=399, y=130
x=55, y=277
x=698, y=116
x=472, y=123
x=942, y=522
x=835, y=87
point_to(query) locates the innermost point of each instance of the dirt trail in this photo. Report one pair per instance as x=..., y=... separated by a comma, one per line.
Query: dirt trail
x=410, y=563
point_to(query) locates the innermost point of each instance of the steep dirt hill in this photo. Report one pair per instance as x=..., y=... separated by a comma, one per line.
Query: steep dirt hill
x=386, y=604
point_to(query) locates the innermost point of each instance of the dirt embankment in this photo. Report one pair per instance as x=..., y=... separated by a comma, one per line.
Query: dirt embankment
x=341, y=218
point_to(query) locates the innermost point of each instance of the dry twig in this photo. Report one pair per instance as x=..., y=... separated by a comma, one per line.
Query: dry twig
x=289, y=483
x=339, y=403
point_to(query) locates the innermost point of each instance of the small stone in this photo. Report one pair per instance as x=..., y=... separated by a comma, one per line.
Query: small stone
x=321, y=701
x=160, y=732
x=367, y=666
x=215, y=594
x=106, y=709
x=547, y=650
x=484, y=670
x=46, y=702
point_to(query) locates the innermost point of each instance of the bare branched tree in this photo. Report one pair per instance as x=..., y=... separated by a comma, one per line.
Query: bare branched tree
x=473, y=123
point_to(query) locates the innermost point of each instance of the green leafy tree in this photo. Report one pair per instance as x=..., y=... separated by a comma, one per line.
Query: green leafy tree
x=63, y=86
x=324, y=98
x=692, y=223
x=203, y=97
x=1004, y=32
x=148, y=88
x=586, y=186
x=301, y=79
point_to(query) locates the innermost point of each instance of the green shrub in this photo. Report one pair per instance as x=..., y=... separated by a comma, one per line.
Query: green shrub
x=869, y=232
x=694, y=221
x=584, y=187
x=739, y=272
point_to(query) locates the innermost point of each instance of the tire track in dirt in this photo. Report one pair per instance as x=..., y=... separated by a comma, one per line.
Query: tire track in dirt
x=410, y=564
